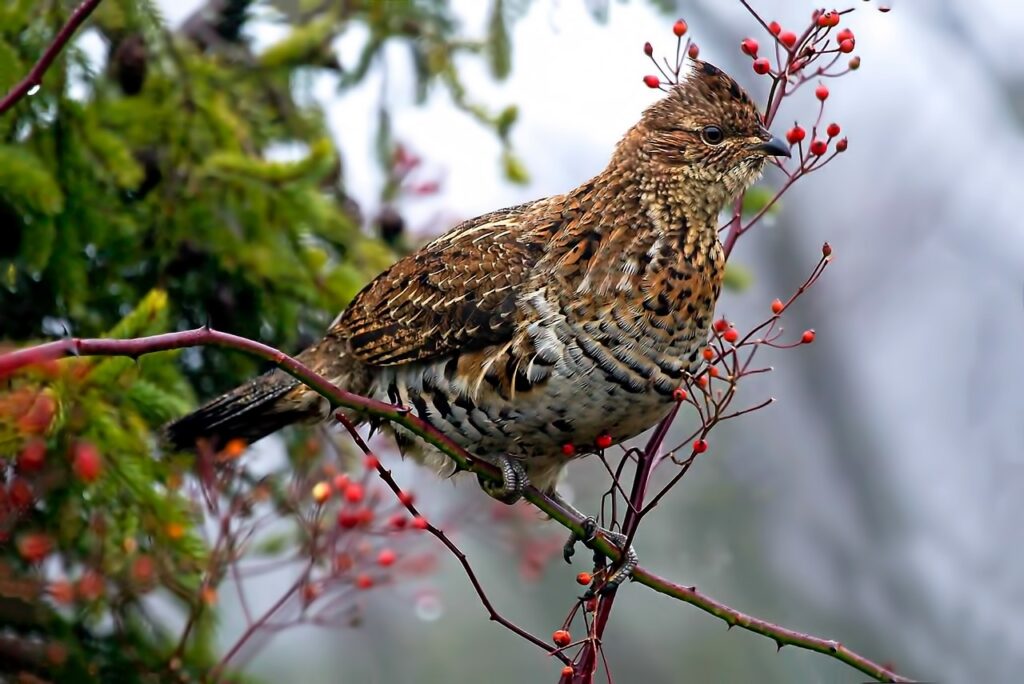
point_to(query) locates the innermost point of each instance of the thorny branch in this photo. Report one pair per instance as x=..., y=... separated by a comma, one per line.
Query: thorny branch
x=133, y=348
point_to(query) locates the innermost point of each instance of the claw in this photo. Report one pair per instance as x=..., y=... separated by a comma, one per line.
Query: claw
x=625, y=567
x=513, y=481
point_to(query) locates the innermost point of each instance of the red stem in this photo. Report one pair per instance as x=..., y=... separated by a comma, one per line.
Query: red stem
x=34, y=78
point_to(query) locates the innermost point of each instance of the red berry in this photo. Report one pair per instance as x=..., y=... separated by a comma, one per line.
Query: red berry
x=819, y=147
x=721, y=325
x=584, y=578
x=340, y=482
x=406, y=498
x=825, y=19
x=648, y=49
x=365, y=516
x=702, y=381
x=679, y=394
x=603, y=441
x=568, y=449
x=807, y=337
x=679, y=28
x=143, y=569
x=561, y=637
x=86, y=461
x=775, y=28
x=777, y=306
x=19, y=493
x=700, y=446
x=708, y=353
x=762, y=66
x=371, y=462
x=386, y=558
x=846, y=46
x=749, y=46
x=90, y=585
x=398, y=521
x=821, y=92
x=567, y=671
x=364, y=581
x=826, y=250
x=844, y=34
x=787, y=38
x=34, y=546
x=32, y=456
x=832, y=130
x=693, y=51
x=713, y=371
x=842, y=145
x=652, y=81
x=795, y=135
x=354, y=492
x=36, y=420
x=419, y=522
x=347, y=520
x=731, y=335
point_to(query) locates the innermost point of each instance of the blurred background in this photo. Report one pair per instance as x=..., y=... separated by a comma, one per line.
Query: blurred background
x=879, y=500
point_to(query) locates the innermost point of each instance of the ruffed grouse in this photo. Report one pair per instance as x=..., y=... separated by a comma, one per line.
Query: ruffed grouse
x=549, y=323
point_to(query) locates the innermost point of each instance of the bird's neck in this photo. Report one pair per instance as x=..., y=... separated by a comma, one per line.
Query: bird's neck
x=633, y=220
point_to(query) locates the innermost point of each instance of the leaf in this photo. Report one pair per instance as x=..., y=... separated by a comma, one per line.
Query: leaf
x=737, y=278
x=37, y=240
x=515, y=171
x=26, y=182
x=757, y=198
x=499, y=47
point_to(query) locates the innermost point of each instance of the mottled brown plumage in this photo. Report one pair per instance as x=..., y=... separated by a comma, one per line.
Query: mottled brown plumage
x=551, y=322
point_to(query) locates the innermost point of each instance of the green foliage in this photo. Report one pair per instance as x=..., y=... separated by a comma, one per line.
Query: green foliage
x=186, y=178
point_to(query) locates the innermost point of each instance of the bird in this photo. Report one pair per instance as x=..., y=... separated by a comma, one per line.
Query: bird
x=527, y=334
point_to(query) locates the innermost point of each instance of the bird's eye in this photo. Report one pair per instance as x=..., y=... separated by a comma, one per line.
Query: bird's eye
x=712, y=135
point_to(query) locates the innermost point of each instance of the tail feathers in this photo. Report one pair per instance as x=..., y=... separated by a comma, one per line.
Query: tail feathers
x=249, y=412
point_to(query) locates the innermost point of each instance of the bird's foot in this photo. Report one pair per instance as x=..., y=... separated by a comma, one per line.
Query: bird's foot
x=619, y=574
x=513, y=481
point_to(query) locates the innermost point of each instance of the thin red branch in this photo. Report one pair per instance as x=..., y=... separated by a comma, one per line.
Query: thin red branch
x=34, y=78
x=13, y=361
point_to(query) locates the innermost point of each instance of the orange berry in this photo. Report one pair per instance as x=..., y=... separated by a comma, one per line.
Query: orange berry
x=321, y=492
x=584, y=578
x=708, y=353
x=90, y=585
x=34, y=546
x=62, y=591
x=702, y=382
x=777, y=306
x=36, y=420
x=679, y=28
x=175, y=530
x=713, y=371
x=561, y=637
x=233, y=449
x=567, y=671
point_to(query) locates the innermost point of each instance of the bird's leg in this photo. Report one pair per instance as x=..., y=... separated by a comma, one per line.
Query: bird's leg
x=591, y=529
x=513, y=481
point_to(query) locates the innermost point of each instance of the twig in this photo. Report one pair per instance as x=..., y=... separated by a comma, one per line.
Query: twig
x=51, y=351
x=493, y=614
x=34, y=79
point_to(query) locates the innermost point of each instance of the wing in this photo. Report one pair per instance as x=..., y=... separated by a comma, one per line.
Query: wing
x=458, y=293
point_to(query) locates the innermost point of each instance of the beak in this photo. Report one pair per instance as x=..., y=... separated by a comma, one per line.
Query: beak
x=775, y=147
